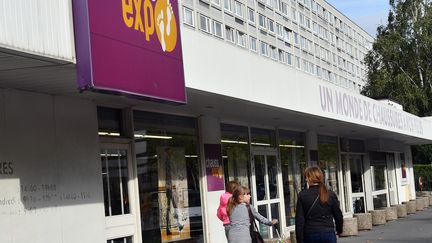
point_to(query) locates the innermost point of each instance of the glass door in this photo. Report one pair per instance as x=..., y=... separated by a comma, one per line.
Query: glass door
x=119, y=193
x=392, y=183
x=266, y=192
x=378, y=168
x=354, y=183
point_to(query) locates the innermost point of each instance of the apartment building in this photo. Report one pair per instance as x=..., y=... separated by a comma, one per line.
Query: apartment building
x=122, y=121
x=311, y=36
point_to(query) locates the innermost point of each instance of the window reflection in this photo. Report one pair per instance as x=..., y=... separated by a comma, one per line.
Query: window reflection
x=168, y=177
x=235, y=153
x=259, y=162
x=293, y=162
x=328, y=160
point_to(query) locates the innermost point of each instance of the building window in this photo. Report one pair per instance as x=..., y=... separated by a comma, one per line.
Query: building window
x=273, y=53
x=271, y=25
x=253, y=43
x=168, y=170
x=217, y=29
x=115, y=177
x=264, y=49
x=229, y=33
x=188, y=17
x=227, y=5
x=110, y=122
x=281, y=56
x=235, y=153
x=286, y=35
x=251, y=15
x=262, y=21
x=289, y=58
x=293, y=163
x=121, y=240
x=238, y=8
x=241, y=39
x=296, y=39
x=204, y=23
x=216, y=2
x=328, y=155
x=298, y=63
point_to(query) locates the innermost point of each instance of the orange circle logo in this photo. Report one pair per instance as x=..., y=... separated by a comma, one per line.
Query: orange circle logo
x=166, y=26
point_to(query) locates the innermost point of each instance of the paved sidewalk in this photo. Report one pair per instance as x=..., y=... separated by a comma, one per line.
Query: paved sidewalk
x=415, y=228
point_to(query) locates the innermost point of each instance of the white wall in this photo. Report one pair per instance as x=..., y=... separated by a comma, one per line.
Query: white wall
x=41, y=27
x=214, y=66
x=54, y=194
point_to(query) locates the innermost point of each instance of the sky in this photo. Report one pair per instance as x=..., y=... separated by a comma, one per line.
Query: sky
x=368, y=14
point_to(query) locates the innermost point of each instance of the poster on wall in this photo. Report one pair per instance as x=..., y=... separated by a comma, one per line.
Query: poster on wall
x=130, y=47
x=214, y=167
x=173, y=194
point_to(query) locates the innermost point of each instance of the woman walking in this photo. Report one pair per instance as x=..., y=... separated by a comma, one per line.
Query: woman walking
x=317, y=211
x=238, y=210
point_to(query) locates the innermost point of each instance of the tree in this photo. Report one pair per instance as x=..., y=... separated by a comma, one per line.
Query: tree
x=400, y=62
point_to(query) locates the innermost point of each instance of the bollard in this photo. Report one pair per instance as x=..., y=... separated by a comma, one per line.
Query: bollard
x=364, y=221
x=350, y=227
x=401, y=210
x=419, y=204
x=378, y=217
x=391, y=213
x=411, y=206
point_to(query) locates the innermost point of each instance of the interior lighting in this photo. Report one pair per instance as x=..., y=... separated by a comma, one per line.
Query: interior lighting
x=261, y=144
x=152, y=136
x=291, y=146
x=233, y=141
x=116, y=134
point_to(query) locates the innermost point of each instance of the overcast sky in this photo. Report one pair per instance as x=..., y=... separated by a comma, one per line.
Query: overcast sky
x=368, y=14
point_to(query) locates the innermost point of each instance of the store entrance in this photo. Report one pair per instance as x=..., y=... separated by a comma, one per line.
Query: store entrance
x=266, y=188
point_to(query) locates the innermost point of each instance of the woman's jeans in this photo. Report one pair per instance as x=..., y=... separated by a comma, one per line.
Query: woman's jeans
x=320, y=237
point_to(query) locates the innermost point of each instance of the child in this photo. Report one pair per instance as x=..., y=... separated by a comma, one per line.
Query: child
x=223, y=203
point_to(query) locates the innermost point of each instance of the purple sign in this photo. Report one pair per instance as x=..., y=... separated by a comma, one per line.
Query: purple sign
x=214, y=167
x=130, y=46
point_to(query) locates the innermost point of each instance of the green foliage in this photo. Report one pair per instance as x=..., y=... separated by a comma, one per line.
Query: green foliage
x=425, y=171
x=422, y=154
x=400, y=62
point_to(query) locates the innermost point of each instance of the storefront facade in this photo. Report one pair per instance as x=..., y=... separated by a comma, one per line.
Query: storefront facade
x=97, y=167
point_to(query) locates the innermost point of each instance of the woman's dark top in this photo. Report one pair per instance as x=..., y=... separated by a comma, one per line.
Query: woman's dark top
x=321, y=216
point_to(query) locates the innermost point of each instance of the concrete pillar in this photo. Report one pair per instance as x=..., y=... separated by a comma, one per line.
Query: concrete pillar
x=368, y=182
x=209, y=130
x=364, y=221
x=401, y=210
x=378, y=217
x=350, y=227
x=312, y=148
x=391, y=213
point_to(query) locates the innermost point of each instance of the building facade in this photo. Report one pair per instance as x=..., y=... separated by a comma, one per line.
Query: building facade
x=272, y=87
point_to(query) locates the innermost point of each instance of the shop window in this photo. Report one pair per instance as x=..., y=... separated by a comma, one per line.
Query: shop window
x=115, y=181
x=110, y=122
x=235, y=153
x=328, y=160
x=121, y=240
x=293, y=163
x=168, y=171
x=263, y=137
